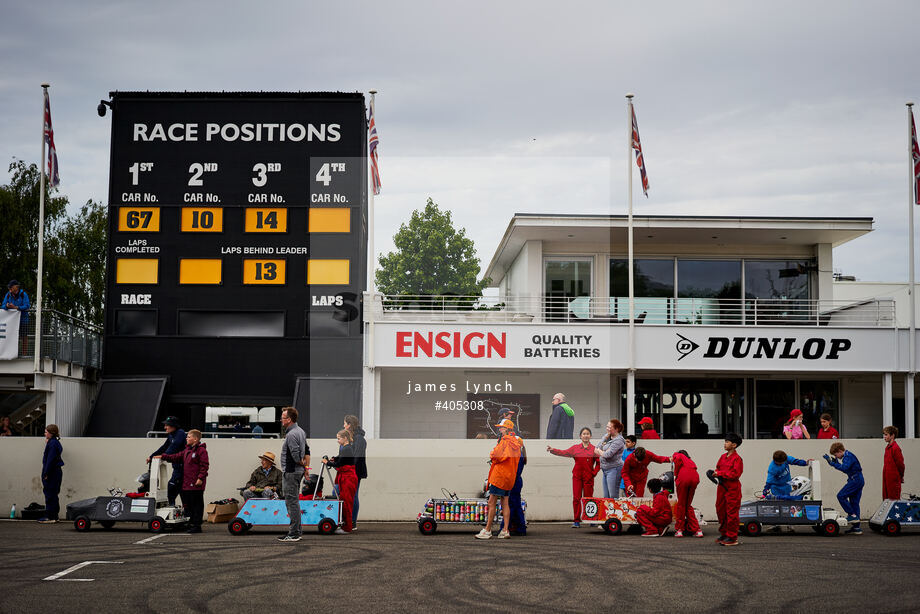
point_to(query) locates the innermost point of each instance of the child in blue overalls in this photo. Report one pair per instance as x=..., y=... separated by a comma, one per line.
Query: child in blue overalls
x=778, y=476
x=851, y=492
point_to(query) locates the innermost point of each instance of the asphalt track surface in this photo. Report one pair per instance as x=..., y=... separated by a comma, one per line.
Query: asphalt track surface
x=391, y=567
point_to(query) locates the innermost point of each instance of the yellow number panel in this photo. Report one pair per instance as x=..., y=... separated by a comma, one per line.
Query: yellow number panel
x=200, y=271
x=330, y=220
x=328, y=272
x=266, y=220
x=137, y=271
x=263, y=272
x=139, y=219
x=202, y=219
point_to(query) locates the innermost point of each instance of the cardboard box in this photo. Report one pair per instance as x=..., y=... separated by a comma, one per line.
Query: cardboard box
x=221, y=513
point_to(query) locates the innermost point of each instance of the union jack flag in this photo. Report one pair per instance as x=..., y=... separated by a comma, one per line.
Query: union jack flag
x=372, y=141
x=640, y=160
x=48, y=135
x=915, y=154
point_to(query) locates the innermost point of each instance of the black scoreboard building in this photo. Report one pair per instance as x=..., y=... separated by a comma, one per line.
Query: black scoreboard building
x=236, y=257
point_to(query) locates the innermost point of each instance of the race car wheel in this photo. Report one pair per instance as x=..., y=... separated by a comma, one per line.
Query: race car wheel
x=613, y=526
x=81, y=523
x=326, y=526
x=107, y=524
x=830, y=528
x=753, y=528
x=427, y=526
x=891, y=528
x=237, y=527
x=156, y=525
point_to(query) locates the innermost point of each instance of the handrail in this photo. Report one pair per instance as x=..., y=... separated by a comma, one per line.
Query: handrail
x=683, y=311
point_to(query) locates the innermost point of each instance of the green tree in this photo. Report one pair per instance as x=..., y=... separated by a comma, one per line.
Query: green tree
x=431, y=258
x=74, y=263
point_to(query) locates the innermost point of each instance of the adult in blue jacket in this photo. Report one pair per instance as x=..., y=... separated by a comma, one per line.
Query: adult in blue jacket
x=562, y=420
x=52, y=476
x=175, y=443
x=16, y=298
x=779, y=477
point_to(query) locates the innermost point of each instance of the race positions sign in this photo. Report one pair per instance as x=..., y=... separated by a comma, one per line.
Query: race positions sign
x=237, y=242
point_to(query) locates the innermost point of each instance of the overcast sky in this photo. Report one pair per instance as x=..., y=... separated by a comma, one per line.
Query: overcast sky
x=492, y=108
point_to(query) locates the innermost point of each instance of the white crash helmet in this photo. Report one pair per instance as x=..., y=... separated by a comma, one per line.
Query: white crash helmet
x=800, y=485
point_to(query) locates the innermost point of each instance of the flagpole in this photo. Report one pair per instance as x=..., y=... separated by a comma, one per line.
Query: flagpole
x=909, y=425
x=371, y=263
x=631, y=371
x=41, y=242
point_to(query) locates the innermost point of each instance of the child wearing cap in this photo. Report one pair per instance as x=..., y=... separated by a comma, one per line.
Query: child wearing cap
x=728, y=493
x=794, y=428
x=893, y=466
x=655, y=519
x=504, y=460
x=648, y=428
x=586, y=467
x=265, y=481
x=848, y=496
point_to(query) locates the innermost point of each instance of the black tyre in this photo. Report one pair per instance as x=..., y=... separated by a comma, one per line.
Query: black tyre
x=830, y=528
x=326, y=526
x=753, y=528
x=613, y=526
x=427, y=526
x=82, y=523
x=891, y=527
x=237, y=527
x=107, y=524
x=156, y=525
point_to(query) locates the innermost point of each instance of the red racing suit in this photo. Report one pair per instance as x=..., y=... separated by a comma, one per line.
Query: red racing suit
x=892, y=471
x=728, y=494
x=656, y=517
x=686, y=479
x=586, y=467
x=635, y=472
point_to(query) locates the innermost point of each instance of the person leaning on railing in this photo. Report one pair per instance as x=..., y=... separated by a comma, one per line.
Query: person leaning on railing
x=16, y=298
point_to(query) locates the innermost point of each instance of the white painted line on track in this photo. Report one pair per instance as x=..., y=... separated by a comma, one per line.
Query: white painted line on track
x=159, y=535
x=60, y=575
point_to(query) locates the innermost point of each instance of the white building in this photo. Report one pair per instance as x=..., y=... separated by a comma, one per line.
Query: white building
x=738, y=320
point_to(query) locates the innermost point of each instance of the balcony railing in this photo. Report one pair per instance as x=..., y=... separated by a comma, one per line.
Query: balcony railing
x=64, y=338
x=874, y=313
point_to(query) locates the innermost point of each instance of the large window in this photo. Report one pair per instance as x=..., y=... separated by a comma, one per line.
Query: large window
x=653, y=282
x=689, y=291
x=684, y=408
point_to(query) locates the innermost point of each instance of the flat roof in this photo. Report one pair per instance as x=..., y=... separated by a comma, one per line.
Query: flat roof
x=684, y=230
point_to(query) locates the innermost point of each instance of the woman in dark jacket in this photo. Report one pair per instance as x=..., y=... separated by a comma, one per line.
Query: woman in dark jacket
x=52, y=474
x=195, y=465
x=360, y=443
x=346, y=480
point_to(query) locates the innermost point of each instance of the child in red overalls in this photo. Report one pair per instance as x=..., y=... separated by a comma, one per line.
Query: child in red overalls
x=893, y=466
x=635, y=470
x=686, y=479
x=346, y=479
x=586, y=467
x=656, y=519
x=728, y=494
